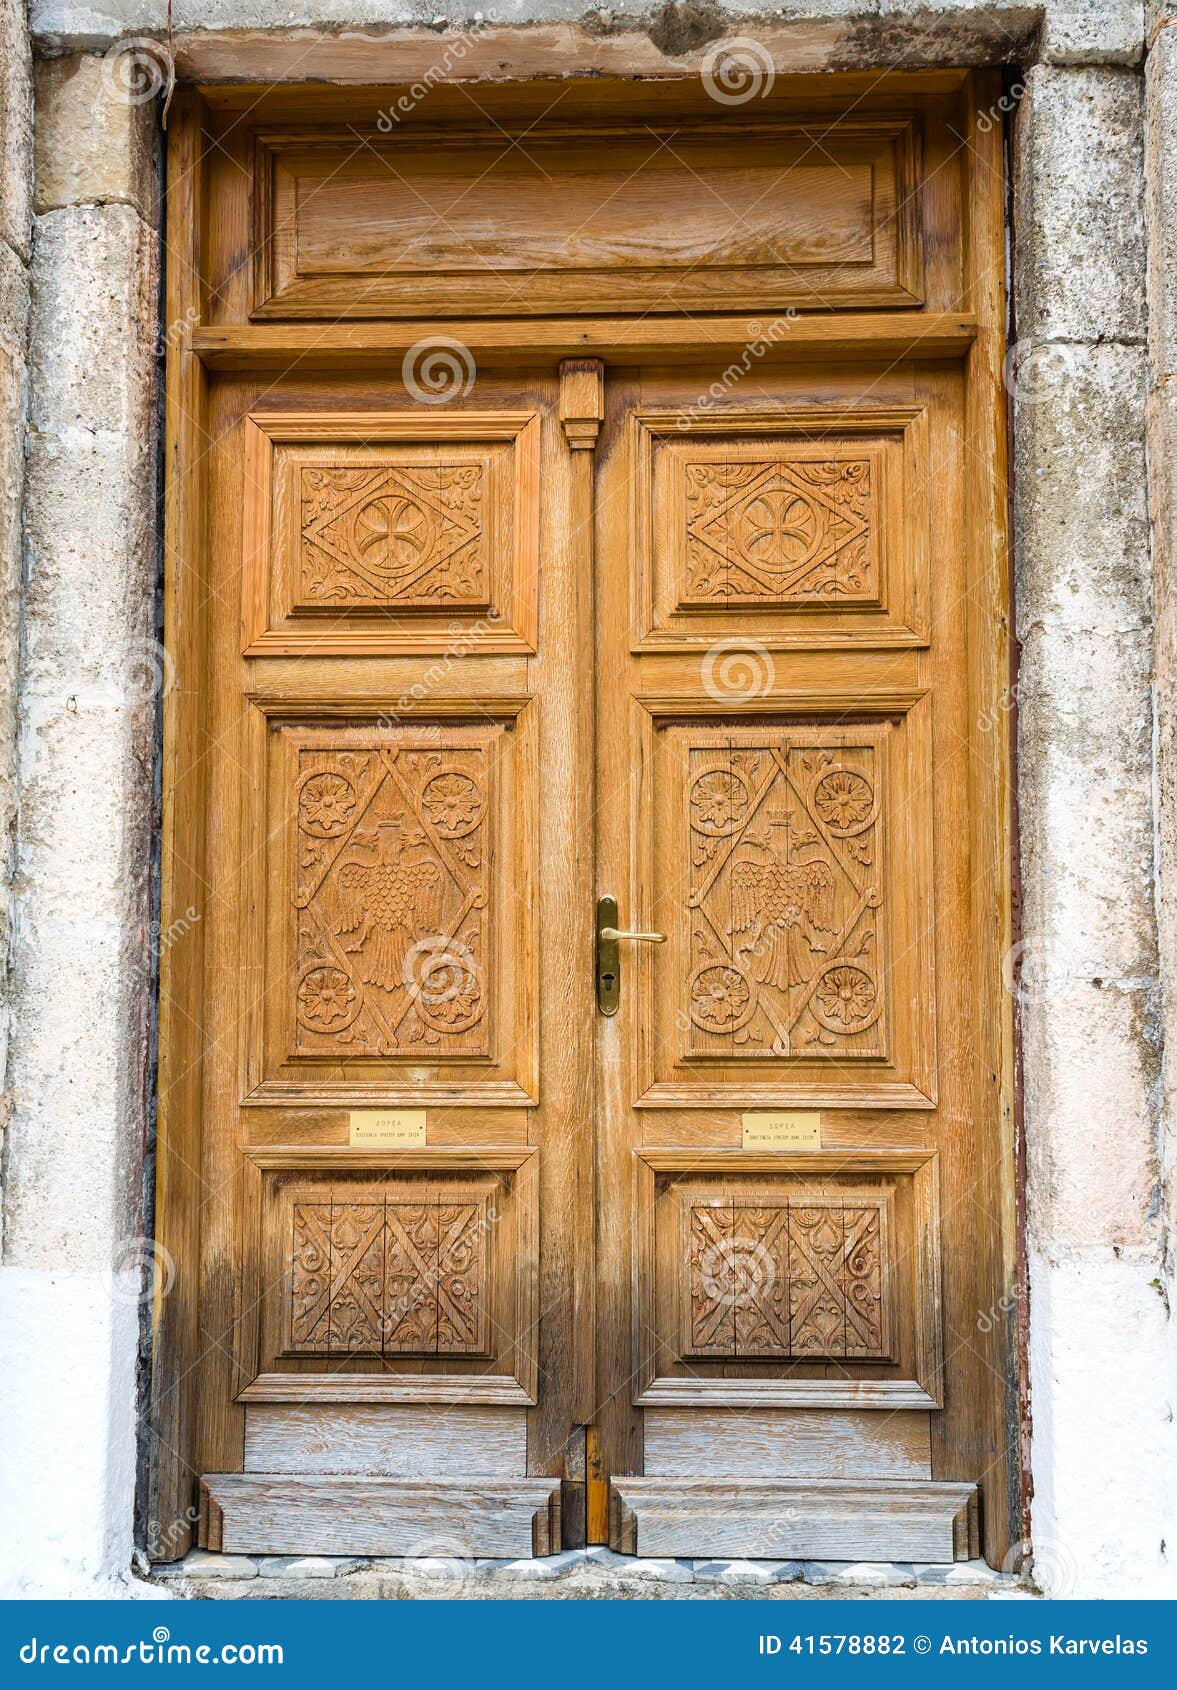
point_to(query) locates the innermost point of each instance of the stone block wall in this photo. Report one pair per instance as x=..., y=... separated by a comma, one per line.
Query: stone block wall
x=1091, y=987
x=1093, y=379
x=83, y=740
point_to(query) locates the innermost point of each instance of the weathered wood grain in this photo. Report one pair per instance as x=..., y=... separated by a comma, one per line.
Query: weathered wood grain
x=342, y=346
x=583, y=216
x=393, y=1440
x=785, y=1444
x=286, y=1514
x=172, y=1458
x=807, y=1519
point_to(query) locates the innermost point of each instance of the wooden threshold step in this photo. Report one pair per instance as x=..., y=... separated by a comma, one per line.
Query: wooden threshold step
x=795, y=1519
x=341, y=1514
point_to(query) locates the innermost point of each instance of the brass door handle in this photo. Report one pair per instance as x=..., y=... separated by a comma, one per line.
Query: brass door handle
x=608, y=956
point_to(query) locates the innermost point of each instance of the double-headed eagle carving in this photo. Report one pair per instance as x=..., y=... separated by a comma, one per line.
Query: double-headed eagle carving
x=388, y=904
x=777, y=906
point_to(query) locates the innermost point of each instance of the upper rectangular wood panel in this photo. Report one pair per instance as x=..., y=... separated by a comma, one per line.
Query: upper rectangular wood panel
x=579, y=219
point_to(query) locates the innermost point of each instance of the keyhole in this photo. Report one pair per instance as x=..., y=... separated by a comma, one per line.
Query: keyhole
x=607, y=981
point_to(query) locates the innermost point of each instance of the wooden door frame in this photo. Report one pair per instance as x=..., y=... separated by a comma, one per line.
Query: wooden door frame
x=974, y=334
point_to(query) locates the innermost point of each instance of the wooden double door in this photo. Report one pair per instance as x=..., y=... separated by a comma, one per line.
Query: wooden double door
x=497, y=1232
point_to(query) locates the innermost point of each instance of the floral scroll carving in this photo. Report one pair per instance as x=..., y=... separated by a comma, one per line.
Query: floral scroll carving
x=786, y=899
x=787, y=1278
x=390, y=900
x=780, y=531
x=398, y=534
x=391, y=1278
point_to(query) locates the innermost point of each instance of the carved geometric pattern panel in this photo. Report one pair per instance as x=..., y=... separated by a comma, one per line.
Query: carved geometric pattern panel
x=391, y=893
x=805, y=527
x=786, y=902
x=786, y=1278
x=774, y=531
x=398, y=534
x=391, y=1278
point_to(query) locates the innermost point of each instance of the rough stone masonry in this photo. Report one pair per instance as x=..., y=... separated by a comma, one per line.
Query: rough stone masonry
x=1094, y=385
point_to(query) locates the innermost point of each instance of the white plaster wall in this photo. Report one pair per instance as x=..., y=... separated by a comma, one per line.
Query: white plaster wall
x=68, y=1451
x=1093, y=404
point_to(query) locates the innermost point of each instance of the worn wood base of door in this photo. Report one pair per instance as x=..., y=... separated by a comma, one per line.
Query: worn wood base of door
x=331, y=1514
x=796, y=1520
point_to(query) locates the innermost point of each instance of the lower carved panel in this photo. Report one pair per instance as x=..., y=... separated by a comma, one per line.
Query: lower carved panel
x=389, y=1276
x=397, y=1278
x=774, y=1280
x=800, y=1276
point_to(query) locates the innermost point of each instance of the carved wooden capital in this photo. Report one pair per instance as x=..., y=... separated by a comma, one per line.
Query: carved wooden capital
x=582, y=401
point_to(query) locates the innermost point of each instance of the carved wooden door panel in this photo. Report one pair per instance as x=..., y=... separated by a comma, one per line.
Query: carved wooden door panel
x=375, y=1123
x=572, y=500
x=792, y=1215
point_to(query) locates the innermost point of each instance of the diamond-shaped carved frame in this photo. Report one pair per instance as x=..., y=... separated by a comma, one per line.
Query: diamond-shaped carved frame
x=787, y=1276
x=377, y=533
x=357, y=1316
x=810, y=523
x=389, y=866
x=790, y=862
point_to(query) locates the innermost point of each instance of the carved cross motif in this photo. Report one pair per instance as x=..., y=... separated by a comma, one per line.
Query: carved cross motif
x=407, y=534
x=779, y=530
